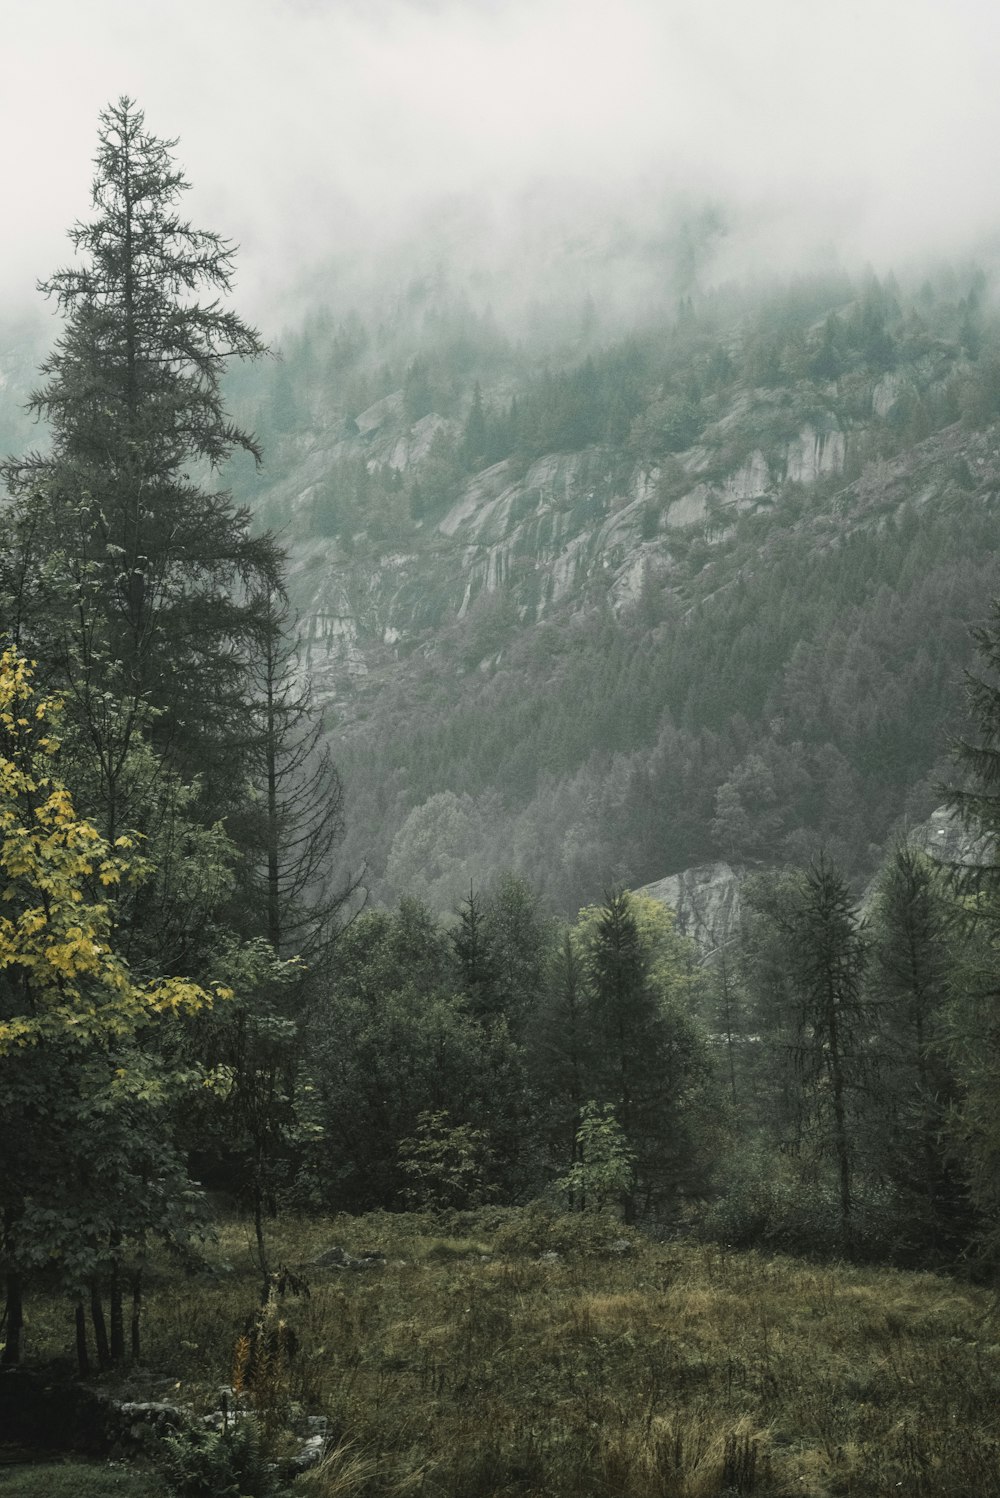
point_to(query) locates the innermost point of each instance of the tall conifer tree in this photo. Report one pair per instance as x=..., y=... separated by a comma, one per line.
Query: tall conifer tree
x=133, y=582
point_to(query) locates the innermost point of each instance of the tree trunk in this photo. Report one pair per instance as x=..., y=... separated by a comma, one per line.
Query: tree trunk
x=841, y=1138
x=258, y=1224
x=136, y=1314
x=82, y=1354
x=117, y=1313
x=14, y=1317
x=100, y=1329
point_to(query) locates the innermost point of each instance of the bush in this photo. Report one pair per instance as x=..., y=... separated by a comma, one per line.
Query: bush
x=538, y=1229
x=786, y=1205
x=219, y=1464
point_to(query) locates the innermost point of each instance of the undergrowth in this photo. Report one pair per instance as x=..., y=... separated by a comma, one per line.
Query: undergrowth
x=519, y=1353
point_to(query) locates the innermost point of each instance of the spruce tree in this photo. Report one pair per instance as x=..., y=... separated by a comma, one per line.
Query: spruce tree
x=975, y=1030
x=911, y=972
x=133, y=582
x=646, y=1058
x=977, y=800
x=827, y=963
x=294, y=823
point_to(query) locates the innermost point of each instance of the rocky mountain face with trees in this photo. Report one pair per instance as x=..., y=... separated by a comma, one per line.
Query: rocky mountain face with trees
x=583, y=611
x=642, y=598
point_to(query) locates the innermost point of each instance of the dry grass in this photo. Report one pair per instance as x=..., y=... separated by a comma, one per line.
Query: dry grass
x=677, y=1371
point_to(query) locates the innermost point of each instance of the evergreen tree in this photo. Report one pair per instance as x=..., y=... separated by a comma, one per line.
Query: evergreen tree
x=910, y=972
x=827, y=964
x=136, y=585
x=474, y=957
x=977, y=800
x=295, y=820
x=975, y=1038
x=558, y=1053
x=474, y=436
x=516, y=936
x=647, y=1060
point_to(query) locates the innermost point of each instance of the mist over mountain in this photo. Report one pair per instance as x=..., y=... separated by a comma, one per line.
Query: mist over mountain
x=630, y=430
x=597, y=577
x=315, y=131
x=595, y=598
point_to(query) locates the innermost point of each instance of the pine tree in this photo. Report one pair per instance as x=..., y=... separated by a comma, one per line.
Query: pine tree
x=975, y=1038
x=132, y=583
x=296, y=821
x=912, y=961
x=474, y=436
x=476, y=961
x=827, y=961
x=647, y=1059
x=977, y=801
x=558, y=1052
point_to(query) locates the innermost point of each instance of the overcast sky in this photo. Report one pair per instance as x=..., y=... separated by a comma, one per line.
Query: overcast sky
x=309, y=126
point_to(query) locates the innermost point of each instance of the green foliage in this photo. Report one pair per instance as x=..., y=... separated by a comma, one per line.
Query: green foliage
x=792, y=1204
x=807, y=966
x=435, y=850
x=822, y=666
x=658, y=1368
x=605, y=1166
x=972, y=1025
x=89, y=1167
x=72, y=1479
x=62, y=978
x=132, y=583
x=394, y=1040
x=917, y=962
x=444, y=1163
x=614, y=1027
x=219, y=1464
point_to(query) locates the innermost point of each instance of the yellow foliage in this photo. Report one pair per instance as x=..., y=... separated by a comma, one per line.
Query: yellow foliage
x=55, y=940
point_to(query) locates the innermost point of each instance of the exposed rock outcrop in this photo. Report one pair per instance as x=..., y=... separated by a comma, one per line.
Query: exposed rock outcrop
x=706, y=901
x=944, y=838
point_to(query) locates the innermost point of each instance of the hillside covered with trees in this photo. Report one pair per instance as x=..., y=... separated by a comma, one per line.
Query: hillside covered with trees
x=699, y=589
x=574, y=612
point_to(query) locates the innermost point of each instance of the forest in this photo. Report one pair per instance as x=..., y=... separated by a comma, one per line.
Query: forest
x=208, y=1036
x=735, y=546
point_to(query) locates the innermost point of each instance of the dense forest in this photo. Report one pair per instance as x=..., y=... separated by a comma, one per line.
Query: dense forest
x=192, y=999
x=698, y=590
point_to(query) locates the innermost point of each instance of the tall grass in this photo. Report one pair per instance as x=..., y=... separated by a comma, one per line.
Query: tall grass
x=470, y=1366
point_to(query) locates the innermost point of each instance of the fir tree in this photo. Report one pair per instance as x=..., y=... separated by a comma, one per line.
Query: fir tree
x=134, y=583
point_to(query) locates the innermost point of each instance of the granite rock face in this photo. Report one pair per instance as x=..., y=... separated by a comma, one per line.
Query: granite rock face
x=567, y=528
x=944, y=838
x=706, y=900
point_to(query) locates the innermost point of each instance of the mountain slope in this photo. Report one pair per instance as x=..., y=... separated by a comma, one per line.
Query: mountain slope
x=723, y=617
x=597, y=607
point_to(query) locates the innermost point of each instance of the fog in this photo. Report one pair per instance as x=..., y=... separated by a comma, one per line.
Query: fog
x=318, y=130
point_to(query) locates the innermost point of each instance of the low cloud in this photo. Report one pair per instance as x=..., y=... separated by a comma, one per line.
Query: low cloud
x=324, y=128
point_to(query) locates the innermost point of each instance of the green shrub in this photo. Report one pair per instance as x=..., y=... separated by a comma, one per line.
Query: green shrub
x=219, y=1464
x=538, y=1229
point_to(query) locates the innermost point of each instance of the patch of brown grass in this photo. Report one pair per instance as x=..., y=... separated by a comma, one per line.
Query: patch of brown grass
x=680, y=1371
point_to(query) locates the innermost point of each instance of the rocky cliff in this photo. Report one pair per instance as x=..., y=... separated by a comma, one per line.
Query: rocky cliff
x=706, y=900
x=641, y=605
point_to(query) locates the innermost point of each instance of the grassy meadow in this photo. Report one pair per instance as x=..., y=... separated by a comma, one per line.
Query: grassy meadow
x=523, y=1353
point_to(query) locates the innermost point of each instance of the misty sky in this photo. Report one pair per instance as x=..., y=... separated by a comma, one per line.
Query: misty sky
x=310, y=127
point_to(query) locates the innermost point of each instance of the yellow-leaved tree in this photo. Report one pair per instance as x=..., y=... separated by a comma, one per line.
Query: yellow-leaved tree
x=62, y=978
x=84, y=1161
